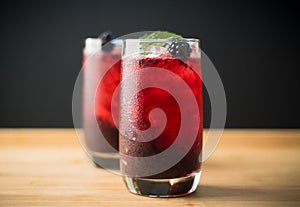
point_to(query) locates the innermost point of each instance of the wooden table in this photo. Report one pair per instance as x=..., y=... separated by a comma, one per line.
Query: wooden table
x=47, y=167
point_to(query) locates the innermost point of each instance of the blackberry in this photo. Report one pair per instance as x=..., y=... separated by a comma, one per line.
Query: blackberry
x=143, y=63
x=180, y=49
x=106, y=37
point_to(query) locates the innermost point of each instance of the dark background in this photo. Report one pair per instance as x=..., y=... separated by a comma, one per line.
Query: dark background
x=254, y=46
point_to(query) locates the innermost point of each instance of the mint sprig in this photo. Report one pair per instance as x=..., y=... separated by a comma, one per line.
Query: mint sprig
x=145, y=46
x=160, y=35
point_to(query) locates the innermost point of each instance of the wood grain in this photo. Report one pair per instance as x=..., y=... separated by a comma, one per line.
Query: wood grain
x=47, y=167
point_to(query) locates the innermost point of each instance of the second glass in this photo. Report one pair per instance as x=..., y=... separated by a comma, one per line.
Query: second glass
x=101, y=76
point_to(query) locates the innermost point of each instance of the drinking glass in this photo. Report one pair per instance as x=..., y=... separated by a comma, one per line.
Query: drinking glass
x=160, y=122
x=101, y=75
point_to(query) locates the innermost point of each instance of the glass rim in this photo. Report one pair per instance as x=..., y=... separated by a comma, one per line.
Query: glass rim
x=162, y=40
x=97, y=40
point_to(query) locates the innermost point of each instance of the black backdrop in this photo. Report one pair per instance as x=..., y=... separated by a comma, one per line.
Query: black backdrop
x=254, y=46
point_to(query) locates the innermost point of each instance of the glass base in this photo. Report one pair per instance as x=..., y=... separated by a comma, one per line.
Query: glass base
x=163, y=187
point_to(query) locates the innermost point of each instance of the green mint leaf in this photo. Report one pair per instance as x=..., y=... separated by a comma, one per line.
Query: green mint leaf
x=160, y=35
x=145, y=46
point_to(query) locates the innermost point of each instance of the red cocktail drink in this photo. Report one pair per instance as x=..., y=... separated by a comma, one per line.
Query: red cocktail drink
x=101, y=75
x=140, y=156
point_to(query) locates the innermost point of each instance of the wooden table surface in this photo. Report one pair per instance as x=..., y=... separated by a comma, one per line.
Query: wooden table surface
x=47, y=167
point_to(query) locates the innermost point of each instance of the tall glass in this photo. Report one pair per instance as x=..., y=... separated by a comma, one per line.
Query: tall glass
x=101, y=75
x=161, y=116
